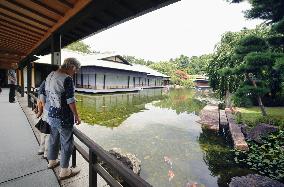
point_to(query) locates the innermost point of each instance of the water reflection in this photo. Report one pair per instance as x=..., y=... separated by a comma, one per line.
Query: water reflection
x=219, y=157
x=112, y=110
x=158, y=127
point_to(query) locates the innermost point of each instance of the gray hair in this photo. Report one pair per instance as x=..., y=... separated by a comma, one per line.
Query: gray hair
x=69, y=62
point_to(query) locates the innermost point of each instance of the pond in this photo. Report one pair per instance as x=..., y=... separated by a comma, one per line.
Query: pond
x=160, y=128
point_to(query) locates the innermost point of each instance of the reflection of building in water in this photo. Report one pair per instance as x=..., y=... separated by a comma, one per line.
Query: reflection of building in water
x=111, y=110
x=108, y=101
x=111, y=73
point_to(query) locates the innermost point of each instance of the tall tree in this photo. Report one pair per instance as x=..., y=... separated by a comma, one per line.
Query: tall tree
x=221, y=81
x=254, y=67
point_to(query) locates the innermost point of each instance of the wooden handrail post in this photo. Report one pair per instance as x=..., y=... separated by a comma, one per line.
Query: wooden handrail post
x=92, y=173
x=74, y=157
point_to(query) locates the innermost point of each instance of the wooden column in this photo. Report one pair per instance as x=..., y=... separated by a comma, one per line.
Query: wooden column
x=95, y=81
x=56, y=49
x=104, y=87
x=22, y=83
x=128, y=81
x=29, y=82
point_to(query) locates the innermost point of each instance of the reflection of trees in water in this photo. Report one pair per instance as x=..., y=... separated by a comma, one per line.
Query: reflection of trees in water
x=219, y=157
x=112, y=110
x=181, y=100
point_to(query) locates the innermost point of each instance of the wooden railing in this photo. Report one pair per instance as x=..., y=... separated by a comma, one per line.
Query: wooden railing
x=96, y=153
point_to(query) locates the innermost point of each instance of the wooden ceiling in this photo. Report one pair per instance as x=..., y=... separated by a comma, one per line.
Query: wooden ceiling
x=26, y=26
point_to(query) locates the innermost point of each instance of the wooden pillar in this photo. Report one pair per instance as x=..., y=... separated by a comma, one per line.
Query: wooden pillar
x=88, y=80
x=22, y=83
x=82, y=80
x=128, y=81
x=104, y=87
x=56, y=49
x=29, y=82
x=95, y=81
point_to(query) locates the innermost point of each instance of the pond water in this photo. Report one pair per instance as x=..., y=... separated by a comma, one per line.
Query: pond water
x=160, y=128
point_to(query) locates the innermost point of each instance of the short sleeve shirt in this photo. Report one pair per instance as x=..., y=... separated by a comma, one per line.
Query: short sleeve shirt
x=59, y=90
x=12, y=78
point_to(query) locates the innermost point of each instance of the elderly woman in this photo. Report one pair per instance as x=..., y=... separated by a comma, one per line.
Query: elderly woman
x=62, y=114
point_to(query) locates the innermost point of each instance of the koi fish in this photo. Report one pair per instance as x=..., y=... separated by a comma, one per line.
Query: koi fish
x=168, y=161
x=171, y=175
x=192, y=184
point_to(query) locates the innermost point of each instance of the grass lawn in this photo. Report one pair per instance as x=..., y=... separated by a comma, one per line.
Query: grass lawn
x=252, y=114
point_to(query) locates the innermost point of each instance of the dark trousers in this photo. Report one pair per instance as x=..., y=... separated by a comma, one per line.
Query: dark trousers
x=12, y=93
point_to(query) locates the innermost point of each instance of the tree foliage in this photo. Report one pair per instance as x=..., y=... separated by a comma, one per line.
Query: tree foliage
x=179, y=69
x=225, y=58
x=140, y=61
x=79, y=46
x=246, y=63
x=271, y=10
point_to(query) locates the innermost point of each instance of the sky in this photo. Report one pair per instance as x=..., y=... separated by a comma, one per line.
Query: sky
x=188, y=27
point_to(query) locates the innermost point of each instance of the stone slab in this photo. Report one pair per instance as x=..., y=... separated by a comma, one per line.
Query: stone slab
x=39, y=179
x=236, y=132
x=18, y=153
x=209, y=117
x=223, y=118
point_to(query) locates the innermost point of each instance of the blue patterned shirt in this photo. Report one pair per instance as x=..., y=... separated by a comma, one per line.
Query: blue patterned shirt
x=59, y=90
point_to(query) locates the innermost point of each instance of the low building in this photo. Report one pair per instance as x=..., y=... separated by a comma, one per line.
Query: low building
x=201, y=83
x=111, y=73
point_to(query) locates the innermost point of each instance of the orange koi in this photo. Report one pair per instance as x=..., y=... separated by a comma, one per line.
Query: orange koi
x=171, y=175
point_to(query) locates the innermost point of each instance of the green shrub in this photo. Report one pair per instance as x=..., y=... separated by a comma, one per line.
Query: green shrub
x=242, y=101
x=267, y=158
x=270, y=120
x=238, y=118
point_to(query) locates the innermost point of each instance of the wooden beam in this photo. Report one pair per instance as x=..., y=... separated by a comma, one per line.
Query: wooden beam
x=32, y=10
x=70, y=5
x=5, y=66
x=22, y=27
x=21, y=22
x=18, y=33
x=78, y=6
x=12, y=45
x=23, y=32
x=125, y=5
x=11, y=51
x=24, y=16
x=7, y=62
x=13, y=37
x=10, y=37
x=40, y=3
x=8, y=56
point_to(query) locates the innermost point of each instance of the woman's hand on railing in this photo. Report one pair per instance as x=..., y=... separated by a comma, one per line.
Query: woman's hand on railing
x=77, y=120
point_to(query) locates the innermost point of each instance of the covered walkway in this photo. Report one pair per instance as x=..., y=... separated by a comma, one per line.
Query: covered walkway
x=19, y=163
